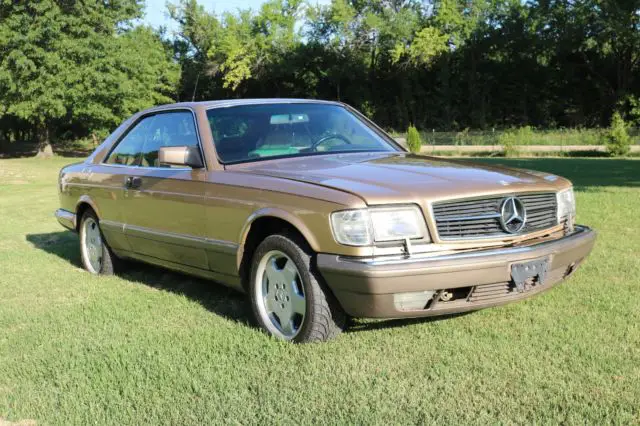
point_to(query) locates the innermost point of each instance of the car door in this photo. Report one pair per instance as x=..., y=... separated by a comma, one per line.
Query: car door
x=107, y=181
x=163, y=206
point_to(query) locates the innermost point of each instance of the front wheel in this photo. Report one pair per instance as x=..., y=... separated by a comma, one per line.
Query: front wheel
x=287, y=296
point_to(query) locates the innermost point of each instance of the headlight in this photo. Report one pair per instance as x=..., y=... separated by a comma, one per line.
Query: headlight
x=364, y=226
x=397, y=223
x=352, y=227
x=566, y=205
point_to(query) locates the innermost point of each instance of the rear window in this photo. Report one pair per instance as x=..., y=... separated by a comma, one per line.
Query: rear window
x=255, y=132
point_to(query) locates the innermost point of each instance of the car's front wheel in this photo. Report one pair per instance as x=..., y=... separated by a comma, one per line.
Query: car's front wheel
x=288, y=297
x=96, y=255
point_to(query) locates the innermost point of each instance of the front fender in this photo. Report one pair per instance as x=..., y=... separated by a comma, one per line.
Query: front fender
x=283, y=215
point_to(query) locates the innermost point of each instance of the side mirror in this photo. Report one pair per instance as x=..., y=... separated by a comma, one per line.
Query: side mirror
x=181, y=156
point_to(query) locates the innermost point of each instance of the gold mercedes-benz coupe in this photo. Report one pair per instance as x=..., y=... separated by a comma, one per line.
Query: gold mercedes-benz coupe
x=317, y=214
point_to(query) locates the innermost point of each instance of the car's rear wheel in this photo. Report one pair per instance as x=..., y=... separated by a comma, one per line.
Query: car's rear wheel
x=288, y=297
x=96, y=255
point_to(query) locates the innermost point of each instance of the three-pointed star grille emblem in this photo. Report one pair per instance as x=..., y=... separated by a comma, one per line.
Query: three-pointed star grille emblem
x=512, y=215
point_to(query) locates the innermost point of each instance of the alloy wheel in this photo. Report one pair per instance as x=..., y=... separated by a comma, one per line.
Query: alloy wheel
x=280, y=295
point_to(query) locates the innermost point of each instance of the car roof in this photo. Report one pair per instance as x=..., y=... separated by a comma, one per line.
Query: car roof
x=238, y=102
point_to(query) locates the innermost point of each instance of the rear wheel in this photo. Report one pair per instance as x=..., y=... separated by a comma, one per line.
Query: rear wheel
x=96, y=255
x=287, y=296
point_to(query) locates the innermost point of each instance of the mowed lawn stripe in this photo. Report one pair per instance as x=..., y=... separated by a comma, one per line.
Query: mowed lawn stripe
x=156, y=347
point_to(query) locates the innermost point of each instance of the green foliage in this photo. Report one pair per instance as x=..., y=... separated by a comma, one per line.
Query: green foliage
x=136, y=74
x=426, y=46
x=414, y=141
x=428, y=43
x=445, y=64
x=559, y=137
x=633, y=103
x=510, y=139
x=80, y=64
x=367, y=109
x=454, y=64
x=524, y=135
x=235, y=48
x=618, y=140
x=462, y=137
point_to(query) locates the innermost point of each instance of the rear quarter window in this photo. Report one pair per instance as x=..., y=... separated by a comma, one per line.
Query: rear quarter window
x=140, y=146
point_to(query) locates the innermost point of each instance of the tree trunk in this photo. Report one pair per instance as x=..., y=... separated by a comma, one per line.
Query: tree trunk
x=44, y=144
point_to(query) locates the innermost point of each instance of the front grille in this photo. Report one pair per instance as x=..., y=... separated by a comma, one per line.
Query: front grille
x=480, y=218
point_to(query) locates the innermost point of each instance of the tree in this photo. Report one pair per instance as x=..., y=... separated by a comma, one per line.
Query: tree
x=77, y=67
x=137, y=73
x=80, y=62
x=234, y=48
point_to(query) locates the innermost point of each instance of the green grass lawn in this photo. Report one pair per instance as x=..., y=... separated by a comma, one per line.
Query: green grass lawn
x=153, y=346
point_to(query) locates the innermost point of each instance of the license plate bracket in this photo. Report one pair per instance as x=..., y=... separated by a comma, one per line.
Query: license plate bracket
x=522, y=273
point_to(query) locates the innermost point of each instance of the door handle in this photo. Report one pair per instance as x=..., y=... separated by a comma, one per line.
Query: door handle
x=132, y=182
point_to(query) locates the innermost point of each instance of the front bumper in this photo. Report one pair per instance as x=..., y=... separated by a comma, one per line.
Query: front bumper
x=66, y=219
x=478, y=279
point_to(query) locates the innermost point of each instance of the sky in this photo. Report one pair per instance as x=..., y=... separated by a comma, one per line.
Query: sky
x=156, y=10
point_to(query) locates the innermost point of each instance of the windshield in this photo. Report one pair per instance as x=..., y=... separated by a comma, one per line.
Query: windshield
x=254, y=132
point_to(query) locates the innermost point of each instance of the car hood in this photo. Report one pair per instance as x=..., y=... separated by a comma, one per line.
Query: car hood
x=380, y=178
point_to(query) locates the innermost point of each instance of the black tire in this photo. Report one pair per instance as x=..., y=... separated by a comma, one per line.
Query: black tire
x=324, y=318
x=109, y=263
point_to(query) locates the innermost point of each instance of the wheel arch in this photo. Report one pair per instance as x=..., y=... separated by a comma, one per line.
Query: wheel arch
x=84, y=203
x=267, y=222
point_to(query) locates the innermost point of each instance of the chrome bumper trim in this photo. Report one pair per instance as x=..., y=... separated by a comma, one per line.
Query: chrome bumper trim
x=399, y=260
x=66, y=219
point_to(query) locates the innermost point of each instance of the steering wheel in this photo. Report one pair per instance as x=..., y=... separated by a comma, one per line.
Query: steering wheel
x=316, y=144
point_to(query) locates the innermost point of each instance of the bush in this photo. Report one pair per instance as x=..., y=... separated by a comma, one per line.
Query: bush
x=509, y=141
x=463, y=138
x=414, y=141
x=525, y=135
x=618, y=140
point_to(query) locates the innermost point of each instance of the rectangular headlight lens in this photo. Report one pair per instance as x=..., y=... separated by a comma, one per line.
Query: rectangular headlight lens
x=364, y=226
x=397, y=223
x=566, y=205
x=352, y=227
